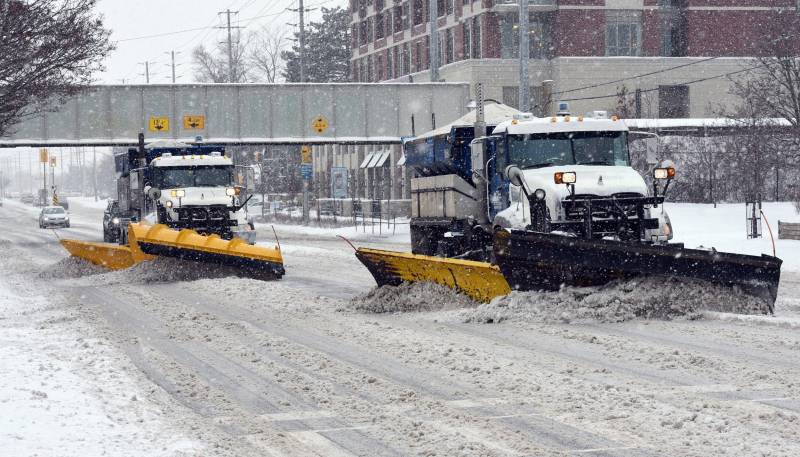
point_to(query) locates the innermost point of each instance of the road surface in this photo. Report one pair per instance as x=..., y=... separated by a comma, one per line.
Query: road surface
x=242, y=367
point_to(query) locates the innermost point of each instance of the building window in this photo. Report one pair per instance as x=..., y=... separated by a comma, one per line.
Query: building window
x=370, y=68
x=418, y=56
x=674, y=39
x=476, y=38
x=406, y=59
x=539, y=42
x=390, y=64
x=623, y=33
x=370, y=29
x=363, y=28
x=381, y=68
x=405, y=15
x=379, y=26
x=673, y=101
x=419, y=12
x=467, y=38
x=397, y=19
x=444, y=7
x=449, y=46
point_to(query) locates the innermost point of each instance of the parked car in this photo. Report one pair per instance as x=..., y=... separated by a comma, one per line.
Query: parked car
x=27, y=199
x=111, y=222
x=53, y=216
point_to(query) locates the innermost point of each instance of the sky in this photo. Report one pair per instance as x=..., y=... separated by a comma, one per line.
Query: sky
x=131, y=20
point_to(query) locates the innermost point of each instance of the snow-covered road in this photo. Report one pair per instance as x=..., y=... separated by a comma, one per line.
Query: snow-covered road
x=114, y=363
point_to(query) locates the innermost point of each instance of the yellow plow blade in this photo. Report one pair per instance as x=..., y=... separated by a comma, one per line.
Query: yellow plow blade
x=479, y=280
x=185, y=244
x=108, y=255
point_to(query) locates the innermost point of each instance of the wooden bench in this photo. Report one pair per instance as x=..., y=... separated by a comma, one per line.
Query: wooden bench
x=788, y=231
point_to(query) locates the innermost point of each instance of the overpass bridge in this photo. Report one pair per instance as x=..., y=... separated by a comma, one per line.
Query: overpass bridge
x=245, y=114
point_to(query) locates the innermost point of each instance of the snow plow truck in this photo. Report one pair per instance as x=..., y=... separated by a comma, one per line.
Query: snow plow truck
x=547, y=202
x=180, y=200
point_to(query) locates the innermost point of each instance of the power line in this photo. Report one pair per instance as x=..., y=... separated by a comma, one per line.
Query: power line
x=177, y=32
x=607, y=83
x=664, y=70
x=686, y=83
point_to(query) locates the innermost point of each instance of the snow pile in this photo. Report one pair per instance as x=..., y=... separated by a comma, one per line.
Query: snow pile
x=646, y=298
x=70, y=268
x=164, y=269
x=417, y=296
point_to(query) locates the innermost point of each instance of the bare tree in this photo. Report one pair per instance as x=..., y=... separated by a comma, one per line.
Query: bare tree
x=211, y=65
x=265, y=54
x=49, y=51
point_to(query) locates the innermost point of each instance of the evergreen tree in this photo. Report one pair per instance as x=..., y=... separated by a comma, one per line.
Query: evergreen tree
x=327, y=56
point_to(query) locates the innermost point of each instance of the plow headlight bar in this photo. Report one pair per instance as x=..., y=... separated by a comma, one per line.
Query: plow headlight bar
x=115, y=221
x=180, y=193
x=230, y=191
x=664, y=173
x=565, y=177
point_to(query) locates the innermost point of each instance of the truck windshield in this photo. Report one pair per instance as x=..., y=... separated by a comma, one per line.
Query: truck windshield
x=569, y=148
x=174, y=177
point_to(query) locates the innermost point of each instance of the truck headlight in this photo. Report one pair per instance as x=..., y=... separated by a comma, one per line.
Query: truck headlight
x=565, y=177
x=230, y=191
x=115, y=221
x=539, y=194
x=168, y=204
x=664, y=173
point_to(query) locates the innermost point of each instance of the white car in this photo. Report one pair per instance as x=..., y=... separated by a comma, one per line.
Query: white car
x=53, y=216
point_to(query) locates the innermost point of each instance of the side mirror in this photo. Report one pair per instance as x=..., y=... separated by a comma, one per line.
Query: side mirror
x=153, y=193
x=651, y=150
x=514, y=175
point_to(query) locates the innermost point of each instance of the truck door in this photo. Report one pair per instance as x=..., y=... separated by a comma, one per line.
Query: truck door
x=498, y=186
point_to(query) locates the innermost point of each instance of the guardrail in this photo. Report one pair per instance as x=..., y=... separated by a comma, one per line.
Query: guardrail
x=788, y=231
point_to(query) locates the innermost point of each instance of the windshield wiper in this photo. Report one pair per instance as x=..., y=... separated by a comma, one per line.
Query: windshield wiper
x=538, y=165
x=597, y=162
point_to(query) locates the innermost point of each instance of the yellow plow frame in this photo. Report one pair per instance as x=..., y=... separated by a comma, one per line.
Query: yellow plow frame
x=145, y=242
x=479, y=280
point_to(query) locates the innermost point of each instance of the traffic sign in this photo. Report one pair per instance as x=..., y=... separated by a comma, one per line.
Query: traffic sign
x=192, y=122
x=159, y=124
x=305, y=154
x=319, y=124
x=306, y=171
x=43, y=155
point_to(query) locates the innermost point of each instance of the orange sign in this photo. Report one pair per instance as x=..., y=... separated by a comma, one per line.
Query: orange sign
x=194, y=122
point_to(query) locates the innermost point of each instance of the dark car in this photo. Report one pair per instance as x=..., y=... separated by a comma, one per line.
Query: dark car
x=111, y=222
x=53, y=216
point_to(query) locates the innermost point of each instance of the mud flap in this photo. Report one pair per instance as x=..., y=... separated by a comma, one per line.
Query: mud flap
x=160, y=240
x=541, y=261
x=479, y=280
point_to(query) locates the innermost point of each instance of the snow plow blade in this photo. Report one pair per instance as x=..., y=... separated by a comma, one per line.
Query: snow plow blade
x=540, y=261
x=481, y=281
x=108, y=255
x=160, y=240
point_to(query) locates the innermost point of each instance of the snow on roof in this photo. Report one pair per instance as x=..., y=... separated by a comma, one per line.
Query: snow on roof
x=493, y=113
x=204, y=160
x=700, y=122
x=560, y=124
x=167, y=144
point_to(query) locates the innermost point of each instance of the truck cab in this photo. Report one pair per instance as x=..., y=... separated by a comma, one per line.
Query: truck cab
x=186, y=187
x=563, y=174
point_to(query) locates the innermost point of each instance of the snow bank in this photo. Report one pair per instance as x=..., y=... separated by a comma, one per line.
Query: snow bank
x=647, y=298
x=164, y=269
x=418, y=296
x=70, y=268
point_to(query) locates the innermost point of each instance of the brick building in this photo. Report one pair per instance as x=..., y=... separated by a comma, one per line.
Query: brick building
x=577, y=43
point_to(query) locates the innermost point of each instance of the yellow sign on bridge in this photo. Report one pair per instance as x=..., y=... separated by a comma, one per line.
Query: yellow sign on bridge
x=194, y=122
x=159, y=124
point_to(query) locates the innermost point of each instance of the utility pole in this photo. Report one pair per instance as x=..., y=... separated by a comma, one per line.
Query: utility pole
x=146, y=74
x=524, y=57
x=302, y=26
x=94, y=170
x=232, y=76
x=172, y=64
x=434, y=50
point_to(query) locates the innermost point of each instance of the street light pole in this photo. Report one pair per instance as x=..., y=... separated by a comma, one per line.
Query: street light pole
x=524, y=57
